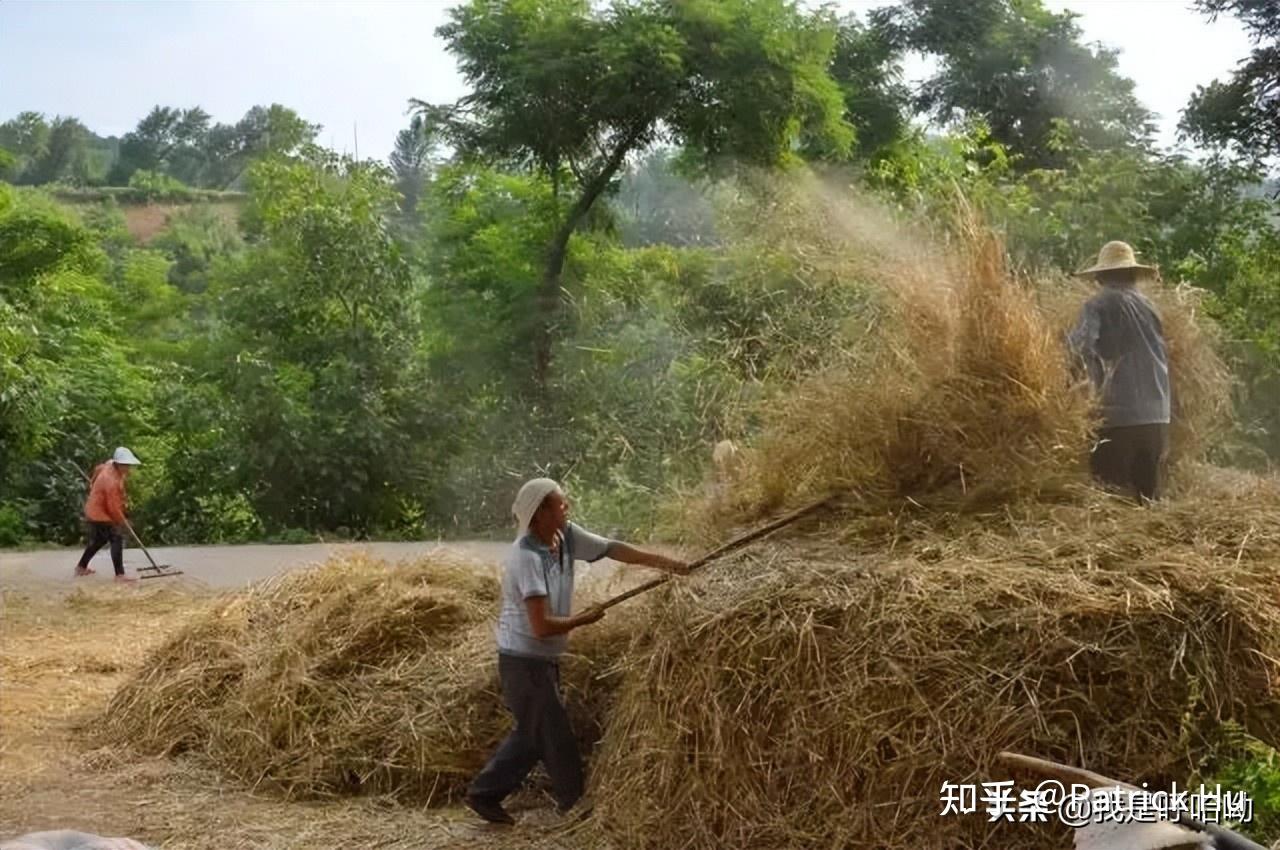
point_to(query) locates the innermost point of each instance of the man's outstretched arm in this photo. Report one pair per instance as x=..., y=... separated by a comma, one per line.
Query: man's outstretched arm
x=628, y=554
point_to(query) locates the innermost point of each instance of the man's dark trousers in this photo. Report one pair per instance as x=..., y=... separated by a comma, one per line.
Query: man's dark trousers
x=1130, y=457
x=531, y=691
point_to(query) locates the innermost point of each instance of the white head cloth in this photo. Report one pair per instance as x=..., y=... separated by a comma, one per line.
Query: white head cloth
x=529, y=499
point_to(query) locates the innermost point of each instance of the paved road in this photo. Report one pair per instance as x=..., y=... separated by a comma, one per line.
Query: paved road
x=236, y=566
x=223, y=566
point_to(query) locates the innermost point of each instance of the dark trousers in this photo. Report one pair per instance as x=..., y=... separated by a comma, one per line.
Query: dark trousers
x=1131, y=457
x=101, y=533
x=531, y=691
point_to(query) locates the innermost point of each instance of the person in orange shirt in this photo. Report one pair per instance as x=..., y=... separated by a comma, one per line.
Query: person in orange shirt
x=104, y=510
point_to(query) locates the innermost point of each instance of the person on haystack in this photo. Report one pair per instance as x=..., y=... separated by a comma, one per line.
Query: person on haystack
x=104, y=512
x=532, y=632
x=1120, y=339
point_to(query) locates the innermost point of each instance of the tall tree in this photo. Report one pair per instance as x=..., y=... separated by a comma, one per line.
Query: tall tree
x=68, y=375
x=166, y=140
x=181, y=143
x=65, y=154
x=264, y=130
x=867, y=66
x=570, y=89
x=411, y=161
x=1243, y=111
x=25, y=136
x=1025, y=71
x=316, y=344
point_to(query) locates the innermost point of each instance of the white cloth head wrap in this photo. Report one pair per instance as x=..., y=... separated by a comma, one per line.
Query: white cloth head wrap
x=529, y=499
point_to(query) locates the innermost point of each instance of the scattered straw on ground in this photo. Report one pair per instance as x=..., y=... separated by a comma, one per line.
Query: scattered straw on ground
x=58, y=652
x=63, y=654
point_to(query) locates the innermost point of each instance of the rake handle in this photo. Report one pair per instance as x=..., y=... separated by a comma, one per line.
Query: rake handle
x=736, y=543
x=138, y=540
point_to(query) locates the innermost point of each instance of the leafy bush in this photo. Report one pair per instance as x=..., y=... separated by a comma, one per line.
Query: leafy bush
x=13, y=525
x=156, y=186
x=1255, y=771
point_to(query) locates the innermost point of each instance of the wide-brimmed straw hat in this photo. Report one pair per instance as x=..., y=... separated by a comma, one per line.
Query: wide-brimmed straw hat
x=1115, y=255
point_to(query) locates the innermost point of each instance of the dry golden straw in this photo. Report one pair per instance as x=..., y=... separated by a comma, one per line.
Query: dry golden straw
x=353, y=677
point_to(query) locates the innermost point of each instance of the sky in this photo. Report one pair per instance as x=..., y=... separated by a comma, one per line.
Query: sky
x=353, y=66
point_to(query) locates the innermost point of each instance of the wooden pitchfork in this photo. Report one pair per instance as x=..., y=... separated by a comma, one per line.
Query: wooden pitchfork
x=736, y=543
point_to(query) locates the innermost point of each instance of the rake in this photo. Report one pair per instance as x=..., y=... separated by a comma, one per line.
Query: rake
x=153, y=571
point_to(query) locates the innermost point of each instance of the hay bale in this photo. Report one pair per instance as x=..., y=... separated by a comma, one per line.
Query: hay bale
x=169, y=706
x=805, y=698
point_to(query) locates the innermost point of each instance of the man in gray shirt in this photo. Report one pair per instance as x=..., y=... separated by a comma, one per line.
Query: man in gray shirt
x=1120, y=340
x=532, y=632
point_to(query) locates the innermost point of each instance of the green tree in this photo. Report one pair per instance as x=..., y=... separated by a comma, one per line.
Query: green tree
x=866, y=64
x=570, y=91
x=412, y=161
x=155, y=186
x=62, y=155
x=69, y=379
x=166, y=140
x=263, y=131
x=1024, y=71
x=184, y=145
x=486, y=255
x=26, y=136
x=1243, y=111
x=195, y=240
x=316, y=337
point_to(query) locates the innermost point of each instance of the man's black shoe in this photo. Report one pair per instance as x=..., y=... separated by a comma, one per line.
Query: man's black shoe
x=490, y=810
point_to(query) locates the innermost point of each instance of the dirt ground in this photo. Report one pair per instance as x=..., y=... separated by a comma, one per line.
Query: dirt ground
x=66, y=645
x=146, y=221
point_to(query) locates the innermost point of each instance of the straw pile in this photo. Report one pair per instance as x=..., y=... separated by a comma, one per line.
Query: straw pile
x=960, y=392
x=807, y=696
x=353, y=677
x=968, y=592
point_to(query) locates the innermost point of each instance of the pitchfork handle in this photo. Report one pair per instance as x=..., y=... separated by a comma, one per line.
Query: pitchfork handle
x=735, y=543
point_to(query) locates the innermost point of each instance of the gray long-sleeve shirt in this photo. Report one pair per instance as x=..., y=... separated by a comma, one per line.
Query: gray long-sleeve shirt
x=1121, y=341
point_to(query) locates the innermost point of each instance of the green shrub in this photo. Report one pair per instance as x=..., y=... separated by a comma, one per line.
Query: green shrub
x=1255, y=771
x=13, y=525
x=292, y=535
x=154, y=186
